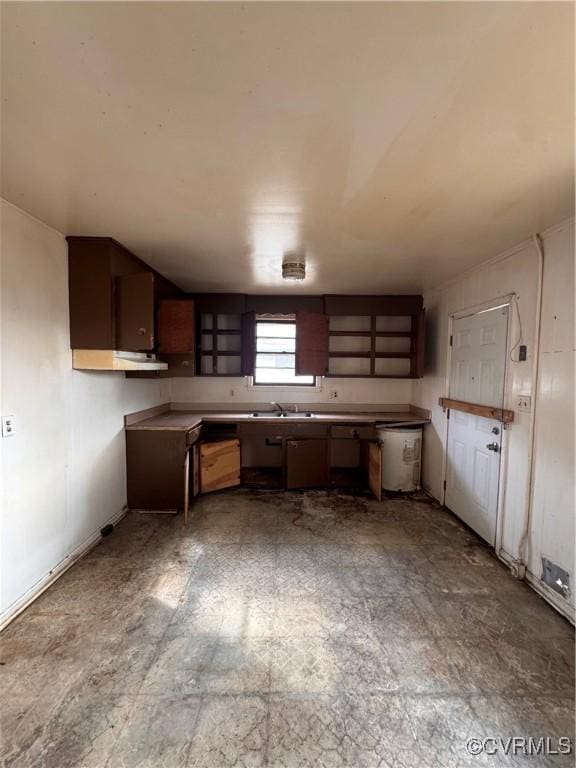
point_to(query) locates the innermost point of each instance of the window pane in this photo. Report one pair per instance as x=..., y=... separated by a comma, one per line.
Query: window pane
x=275, y=354
x=275, y=361
x=276, y=330
x=275, y=345
x=279, y=376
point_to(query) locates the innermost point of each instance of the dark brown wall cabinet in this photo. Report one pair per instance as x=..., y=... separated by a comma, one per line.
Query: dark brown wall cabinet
x=113, y=296
x=134, y=303
x=117, y=302
x=337, y=336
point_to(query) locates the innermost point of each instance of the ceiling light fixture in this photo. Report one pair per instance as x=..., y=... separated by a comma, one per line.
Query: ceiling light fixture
x=294, y=266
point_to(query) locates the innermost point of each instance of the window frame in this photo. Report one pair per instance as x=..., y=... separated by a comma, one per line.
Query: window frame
x=287, y=320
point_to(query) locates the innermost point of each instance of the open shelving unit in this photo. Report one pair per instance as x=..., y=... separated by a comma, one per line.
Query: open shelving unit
x=220, y=344
x=373, y=346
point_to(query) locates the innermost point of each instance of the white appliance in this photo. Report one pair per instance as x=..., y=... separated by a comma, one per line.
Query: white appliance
x=401, y=457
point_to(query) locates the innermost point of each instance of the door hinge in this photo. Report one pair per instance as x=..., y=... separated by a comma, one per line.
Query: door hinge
x=448, y=414
x=451, y=339
x=444, y=485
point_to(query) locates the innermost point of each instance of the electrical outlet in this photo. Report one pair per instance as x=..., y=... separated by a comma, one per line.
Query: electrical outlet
x=8, y=426
x=333, y=394
x=524, y=403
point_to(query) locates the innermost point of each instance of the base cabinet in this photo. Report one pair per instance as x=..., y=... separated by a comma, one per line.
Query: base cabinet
x=307, y=463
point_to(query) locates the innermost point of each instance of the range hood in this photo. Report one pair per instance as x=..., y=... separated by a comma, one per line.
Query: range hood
x=113, y=360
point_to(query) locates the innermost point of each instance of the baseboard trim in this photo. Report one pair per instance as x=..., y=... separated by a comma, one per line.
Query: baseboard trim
x=540, y=588
x=54, y=574
x=562, y=606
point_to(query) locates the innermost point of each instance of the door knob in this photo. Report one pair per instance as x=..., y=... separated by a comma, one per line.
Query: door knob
x=495, y=431
x=493, y=447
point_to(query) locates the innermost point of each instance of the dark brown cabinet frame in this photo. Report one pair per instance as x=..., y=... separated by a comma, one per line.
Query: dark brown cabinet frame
x=106, y=312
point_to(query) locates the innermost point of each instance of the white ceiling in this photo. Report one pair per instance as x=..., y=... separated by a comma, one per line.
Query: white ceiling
x=397, y=144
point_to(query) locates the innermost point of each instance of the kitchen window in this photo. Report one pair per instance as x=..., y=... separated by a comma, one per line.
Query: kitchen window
x=276, y=355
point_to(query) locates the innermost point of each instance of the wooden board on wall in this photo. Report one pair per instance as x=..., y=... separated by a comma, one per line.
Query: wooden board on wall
x=219, y=465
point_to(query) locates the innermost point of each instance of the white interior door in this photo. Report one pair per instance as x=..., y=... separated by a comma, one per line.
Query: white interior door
x=477, y=372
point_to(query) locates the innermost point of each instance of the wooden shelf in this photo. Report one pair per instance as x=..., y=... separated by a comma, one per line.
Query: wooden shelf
x=378, y=334
x=369, y=355
x=486, y=411
x=219, y=332
x=371, y=376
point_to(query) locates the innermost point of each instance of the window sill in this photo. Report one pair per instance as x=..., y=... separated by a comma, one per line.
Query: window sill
x=284, y=387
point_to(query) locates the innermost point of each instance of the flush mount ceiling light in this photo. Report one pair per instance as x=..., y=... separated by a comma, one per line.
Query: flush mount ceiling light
x=294, y=266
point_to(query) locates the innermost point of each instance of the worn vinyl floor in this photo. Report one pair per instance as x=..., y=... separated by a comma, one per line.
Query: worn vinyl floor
x=308, y=630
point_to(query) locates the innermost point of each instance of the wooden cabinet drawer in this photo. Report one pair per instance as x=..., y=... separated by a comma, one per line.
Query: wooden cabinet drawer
x=294, y=429
x=354, y=432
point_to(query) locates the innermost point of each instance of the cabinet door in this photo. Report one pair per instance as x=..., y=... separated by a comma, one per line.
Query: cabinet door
x=375, y=469
x=219, y=465
x=176, y=332
x=307, y=463
x=134, y=302
x=248, y=343
x=417, y=345
x=155, y=461
x=311, y=344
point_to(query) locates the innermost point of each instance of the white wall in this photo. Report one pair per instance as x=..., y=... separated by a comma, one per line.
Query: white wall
x=552, y=531
x=235, y=392
x=63, y=472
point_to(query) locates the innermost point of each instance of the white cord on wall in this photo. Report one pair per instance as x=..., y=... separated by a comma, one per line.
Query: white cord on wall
x=520, y=338
x=523, y=547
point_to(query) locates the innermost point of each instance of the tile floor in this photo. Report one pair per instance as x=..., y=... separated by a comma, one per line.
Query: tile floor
x=291, y=630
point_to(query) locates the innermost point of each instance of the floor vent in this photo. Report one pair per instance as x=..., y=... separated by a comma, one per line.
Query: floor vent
x=556, y=578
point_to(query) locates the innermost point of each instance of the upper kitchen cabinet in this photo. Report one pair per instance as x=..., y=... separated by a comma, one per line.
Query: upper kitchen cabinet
x=113, y=300
x=375, y=336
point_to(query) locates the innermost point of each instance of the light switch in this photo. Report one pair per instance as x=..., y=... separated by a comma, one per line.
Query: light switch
x=8, y=427
x=524, y=403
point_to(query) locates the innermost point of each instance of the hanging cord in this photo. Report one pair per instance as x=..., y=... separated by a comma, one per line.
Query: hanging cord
x=519, y=339
x=524, y=545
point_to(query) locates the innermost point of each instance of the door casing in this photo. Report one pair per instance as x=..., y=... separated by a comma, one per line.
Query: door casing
x=507, y=299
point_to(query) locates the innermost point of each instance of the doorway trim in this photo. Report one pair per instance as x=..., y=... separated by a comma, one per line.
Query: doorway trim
x=485, y=306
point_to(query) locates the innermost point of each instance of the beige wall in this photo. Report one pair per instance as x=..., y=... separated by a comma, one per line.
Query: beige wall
x=236, y=392
x=63, y=472
x=552, y=528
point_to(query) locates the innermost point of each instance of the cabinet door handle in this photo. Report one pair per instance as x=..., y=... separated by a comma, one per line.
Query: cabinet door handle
x=142, y=331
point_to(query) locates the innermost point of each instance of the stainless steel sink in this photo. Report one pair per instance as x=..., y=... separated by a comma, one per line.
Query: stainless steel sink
x=284, y=415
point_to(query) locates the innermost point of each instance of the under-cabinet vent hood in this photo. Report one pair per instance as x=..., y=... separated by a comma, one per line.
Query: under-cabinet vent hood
x=112, y=360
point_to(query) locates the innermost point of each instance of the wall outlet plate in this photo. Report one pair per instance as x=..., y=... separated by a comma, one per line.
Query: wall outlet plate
x=8, y=427
x=524, y=403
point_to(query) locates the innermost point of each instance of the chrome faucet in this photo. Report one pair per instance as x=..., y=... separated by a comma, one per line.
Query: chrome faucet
x=279, y=408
